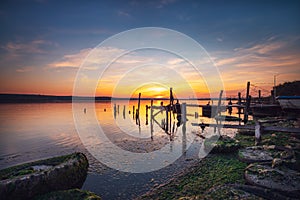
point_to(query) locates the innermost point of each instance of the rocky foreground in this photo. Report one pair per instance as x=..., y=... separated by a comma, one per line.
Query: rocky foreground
x=237, y=169
x=46, y=179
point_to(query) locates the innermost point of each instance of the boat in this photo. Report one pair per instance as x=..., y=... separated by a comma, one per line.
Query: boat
x=28, y=180
x=289, y=102
x=266, y=110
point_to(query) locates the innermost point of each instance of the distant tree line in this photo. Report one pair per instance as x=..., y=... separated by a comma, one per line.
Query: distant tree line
x=288, y=89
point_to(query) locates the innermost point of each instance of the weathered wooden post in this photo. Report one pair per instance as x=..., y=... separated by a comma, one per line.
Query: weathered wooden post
x=219, y=103
x=239, y=108
x=118, y=109
x=139, y=102
x=171, y=97
x=183, y=112
x=151, y=119
x=247, y=106
x=259, y=96
x=258, y=132
x=138, y=111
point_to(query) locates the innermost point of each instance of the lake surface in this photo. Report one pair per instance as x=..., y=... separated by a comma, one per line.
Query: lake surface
x=36, y=131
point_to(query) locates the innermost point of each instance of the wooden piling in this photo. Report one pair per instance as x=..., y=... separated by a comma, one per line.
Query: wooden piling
x=258, y=132
x=246, y=110
x=239, y=108
x=151, y=119
x=183, y=112
x=139, y=103
x=219, y=103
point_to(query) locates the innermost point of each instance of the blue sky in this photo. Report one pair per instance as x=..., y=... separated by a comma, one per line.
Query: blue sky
x=42, y=43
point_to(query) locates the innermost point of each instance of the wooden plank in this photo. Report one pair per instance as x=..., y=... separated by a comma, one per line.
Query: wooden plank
x=282, y=129
x=225, y=126
x=227, y=106
x=251, y=127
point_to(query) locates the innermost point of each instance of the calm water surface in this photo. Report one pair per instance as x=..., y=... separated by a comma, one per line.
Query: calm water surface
x=36, y=131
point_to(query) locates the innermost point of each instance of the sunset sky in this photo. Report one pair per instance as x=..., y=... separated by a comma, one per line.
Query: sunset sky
x=44, y=42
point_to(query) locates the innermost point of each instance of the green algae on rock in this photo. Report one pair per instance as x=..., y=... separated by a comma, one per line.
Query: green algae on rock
x=279, y=178
x=73, y=194
x=224, y=144
x=39, y=177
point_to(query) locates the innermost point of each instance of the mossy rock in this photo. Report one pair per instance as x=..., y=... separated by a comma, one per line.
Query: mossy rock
x=229, y=192
x=255, y=154
x=242, y=192
x=280, y=178
x=43, y=176
x=73, y=194
x=224, y=144
x=265, y=154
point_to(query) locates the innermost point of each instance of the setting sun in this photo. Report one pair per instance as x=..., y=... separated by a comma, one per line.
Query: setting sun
x=153, y=90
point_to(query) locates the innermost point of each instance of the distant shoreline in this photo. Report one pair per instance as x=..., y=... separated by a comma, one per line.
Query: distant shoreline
x=34, y=98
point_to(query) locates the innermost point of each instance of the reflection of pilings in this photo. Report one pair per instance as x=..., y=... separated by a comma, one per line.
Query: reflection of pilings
x=147, y=107
x=167, y=121
x=133, y=112
x=118, y=109
x=137, y=115
x=137, y=118
x=115, y=111
x=124, y=111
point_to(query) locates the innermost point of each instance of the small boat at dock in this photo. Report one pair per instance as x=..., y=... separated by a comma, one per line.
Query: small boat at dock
x=266, y=110
x=289, y=102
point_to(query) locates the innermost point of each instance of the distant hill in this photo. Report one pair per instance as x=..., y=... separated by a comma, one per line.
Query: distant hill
x=288, y=89
x=33, y=98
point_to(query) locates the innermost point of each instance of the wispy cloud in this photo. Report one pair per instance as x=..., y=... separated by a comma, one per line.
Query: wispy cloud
x=258, y=62
x=264, y=55
x=163, y=3
x=123, y=14
x=71, y=60
x=24, y=69
x=34, y=47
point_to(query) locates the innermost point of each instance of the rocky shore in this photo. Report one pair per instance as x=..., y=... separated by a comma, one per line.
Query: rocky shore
x=268, y=171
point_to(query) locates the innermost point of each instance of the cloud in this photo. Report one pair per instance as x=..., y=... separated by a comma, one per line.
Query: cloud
x=24, y=69
x=258, y=62
x=220, y=39
x=32, y=47
x=123, y=14
x=163, y=3
x=175, y=61
x=71, y=60
x=265, y=55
